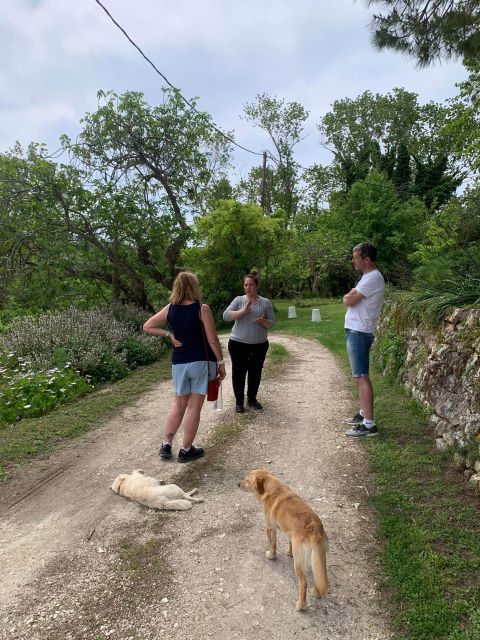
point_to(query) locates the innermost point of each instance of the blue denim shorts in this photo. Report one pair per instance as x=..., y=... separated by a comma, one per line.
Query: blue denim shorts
x=358, y=349
x=191, y=377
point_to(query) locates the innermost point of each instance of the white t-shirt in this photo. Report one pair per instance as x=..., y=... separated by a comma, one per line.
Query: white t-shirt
x=365, y=314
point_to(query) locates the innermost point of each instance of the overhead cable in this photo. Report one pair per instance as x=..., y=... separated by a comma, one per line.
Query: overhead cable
x=257, y=153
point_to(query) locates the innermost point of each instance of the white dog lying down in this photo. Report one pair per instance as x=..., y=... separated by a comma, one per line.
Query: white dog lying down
x=152, y=493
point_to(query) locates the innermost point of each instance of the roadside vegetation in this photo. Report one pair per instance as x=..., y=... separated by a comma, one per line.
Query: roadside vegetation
x=428, y=525
x=54, y=375
x=24, y=439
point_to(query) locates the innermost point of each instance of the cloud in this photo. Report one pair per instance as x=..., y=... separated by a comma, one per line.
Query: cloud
x=30, y=123
x=60, y=53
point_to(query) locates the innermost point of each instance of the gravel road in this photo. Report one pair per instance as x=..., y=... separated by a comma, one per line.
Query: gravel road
x=79, y=562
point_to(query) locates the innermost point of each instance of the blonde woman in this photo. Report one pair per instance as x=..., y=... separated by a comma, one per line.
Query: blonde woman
x=184, y=316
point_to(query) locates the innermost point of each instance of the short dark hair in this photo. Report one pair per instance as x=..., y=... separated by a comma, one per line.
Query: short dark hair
x=367, y=250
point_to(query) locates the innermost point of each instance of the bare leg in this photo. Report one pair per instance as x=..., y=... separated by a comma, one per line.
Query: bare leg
x=192, y=418
x=365, y=394
x=175, y=417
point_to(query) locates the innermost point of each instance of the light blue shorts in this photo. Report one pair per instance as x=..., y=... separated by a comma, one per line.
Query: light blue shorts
x=191, y=377
x=358, y=348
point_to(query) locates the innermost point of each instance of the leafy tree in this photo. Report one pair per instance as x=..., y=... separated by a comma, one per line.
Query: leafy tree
x=402, y=173
x=325, y=252
x=115, y=219
x=284, y=123
x=31, y=244
x=464, y=119
x=434, y=184
x=358, y=131
x=288, y=273
x=410, y=143
x=85, y=236
x=319, y=182
x=222, y=190
x=262, y=186
x=371, y=211
x=428, y=30
x=171, y=148
x=450, y=249
x=230, y=241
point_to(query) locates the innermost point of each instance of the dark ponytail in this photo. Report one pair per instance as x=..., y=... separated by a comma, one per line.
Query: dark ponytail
x=254, y=276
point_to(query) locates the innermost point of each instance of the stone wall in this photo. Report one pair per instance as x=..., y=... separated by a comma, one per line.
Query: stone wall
x=441, y=370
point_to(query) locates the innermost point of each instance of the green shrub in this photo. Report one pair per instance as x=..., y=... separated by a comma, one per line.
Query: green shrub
x=26, y=393
x=389, y=352
x=109, y=366
x=83, y=335
x=431, y=304
x=128, y=314
x=142, y=349
x=308, y=301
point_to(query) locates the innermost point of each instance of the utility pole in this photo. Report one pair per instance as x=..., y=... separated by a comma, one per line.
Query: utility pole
x=264, y=183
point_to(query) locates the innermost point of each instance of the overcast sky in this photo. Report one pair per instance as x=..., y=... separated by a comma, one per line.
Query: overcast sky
x=56, y=55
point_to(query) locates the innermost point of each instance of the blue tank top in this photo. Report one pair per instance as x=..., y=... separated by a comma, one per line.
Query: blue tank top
x=185, y=323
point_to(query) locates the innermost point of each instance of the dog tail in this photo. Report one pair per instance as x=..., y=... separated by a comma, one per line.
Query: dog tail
x=319, y=545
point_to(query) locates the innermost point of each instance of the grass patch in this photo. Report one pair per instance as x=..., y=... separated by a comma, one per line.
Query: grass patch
x=277, y=357
x=277, y=353
x=36, y=436
x=225, y=432
x=429, y=521
x=427, y=516
x=329, y=331
x=144, y=561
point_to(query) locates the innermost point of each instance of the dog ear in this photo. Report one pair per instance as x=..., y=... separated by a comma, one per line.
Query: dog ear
x=258, y=483
x=117, y=483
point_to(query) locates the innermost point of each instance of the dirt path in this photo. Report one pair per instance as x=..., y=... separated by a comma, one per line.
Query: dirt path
x=78, y=562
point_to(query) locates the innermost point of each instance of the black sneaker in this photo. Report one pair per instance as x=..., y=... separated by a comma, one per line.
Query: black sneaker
x=192, y=454
x=255, y=405
x=239, y=408
x=361, y=431
x=166, y=450
x=357, y=419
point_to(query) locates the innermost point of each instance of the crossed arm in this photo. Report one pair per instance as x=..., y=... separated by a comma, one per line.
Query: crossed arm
x=352, y=298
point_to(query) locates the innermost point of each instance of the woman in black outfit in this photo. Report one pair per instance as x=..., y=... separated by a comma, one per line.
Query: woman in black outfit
x=248, y=344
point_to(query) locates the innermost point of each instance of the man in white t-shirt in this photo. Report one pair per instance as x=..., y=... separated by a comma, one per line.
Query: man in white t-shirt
x=364, y=304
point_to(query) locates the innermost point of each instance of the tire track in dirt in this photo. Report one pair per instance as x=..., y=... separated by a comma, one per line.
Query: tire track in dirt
x=79, y=562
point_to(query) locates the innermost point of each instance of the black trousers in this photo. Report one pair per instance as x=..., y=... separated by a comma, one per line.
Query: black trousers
x=246, y=359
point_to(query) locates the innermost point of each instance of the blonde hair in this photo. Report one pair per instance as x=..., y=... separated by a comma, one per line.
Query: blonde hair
x=184, y=288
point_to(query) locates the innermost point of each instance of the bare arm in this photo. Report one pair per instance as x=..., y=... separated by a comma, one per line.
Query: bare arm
x=212, y=338
x=152, y=326
x=352, y=298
